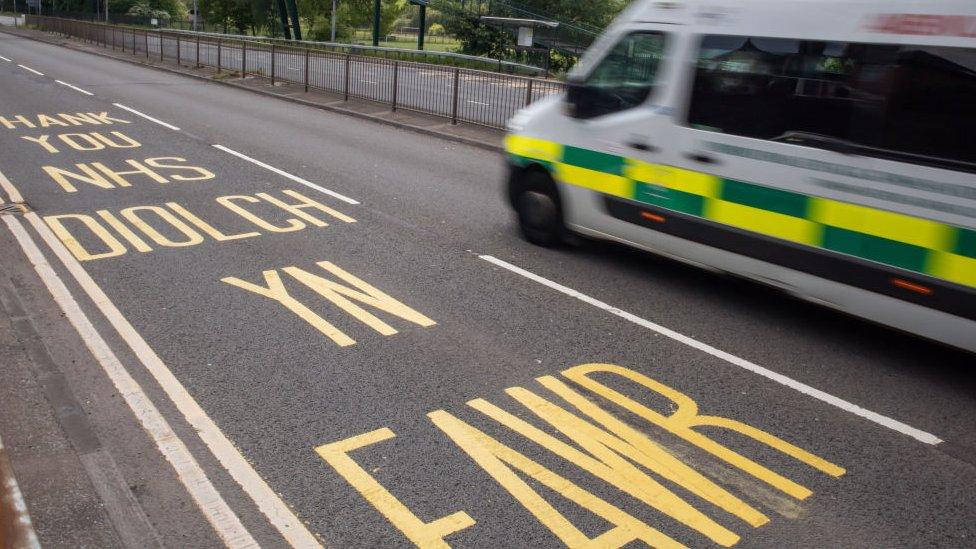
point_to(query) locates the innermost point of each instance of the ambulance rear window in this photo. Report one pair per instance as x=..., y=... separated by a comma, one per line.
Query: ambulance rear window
x=903, y=102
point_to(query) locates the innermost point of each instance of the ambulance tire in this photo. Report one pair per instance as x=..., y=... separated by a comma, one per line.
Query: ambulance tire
x=539, y=210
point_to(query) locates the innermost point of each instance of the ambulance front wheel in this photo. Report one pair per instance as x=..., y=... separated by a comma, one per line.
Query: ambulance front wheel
x=537, y=205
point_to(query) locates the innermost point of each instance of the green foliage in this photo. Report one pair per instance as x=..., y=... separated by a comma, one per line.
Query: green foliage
x=160, y=9
x=229, y=14
x=436, y=30
x=357, y=14
x=596, y=14
x=475, y=38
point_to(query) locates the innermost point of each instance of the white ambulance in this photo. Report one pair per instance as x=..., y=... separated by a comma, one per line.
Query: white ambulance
x=824, y=147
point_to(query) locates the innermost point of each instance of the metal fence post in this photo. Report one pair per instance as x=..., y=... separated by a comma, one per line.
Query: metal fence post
x=160, y=35
x=306, y=70
x=243, y=58
x=179, y=54
x=198, y=53
x=396, y=76
x=457, y=85
x=146, y=36
x=345, y=86
x=528, y=93
x=218, y=56
x=274, y=60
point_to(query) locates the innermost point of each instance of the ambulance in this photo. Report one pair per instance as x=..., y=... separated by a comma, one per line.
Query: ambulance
x=826, y=148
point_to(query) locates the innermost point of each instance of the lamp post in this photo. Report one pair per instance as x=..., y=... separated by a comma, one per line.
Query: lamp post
x=376, y=22
x=333, y=35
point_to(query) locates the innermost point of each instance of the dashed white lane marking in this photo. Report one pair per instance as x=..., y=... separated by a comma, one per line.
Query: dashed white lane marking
x=884, y=421
x=76, y=88
x=146, y=116
x=213, y=506
x=287, y=175
x=210, y=501
x=5, y=59
x=26, y=68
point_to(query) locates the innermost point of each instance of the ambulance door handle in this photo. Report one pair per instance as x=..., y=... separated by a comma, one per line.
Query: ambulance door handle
x=701, y=158
x=641, y=146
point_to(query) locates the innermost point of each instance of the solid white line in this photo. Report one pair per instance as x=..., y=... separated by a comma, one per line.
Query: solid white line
x=5, y=59
x=146, y=116
x=270, y=504
x=285, y=174
x=884, y=421
x=76, y=88
x=9, y=188
x=216, y=510
x=39, y=73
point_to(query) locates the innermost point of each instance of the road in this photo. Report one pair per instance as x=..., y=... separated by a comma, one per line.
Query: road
x=326, y=331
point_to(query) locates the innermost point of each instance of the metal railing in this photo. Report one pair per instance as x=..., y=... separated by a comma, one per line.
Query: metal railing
x=459, y=94
x=423, y=56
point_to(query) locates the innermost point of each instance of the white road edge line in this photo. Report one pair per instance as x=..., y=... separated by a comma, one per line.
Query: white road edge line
x=5, y=59
x=285, y=174
x=26, y=68
x=216, y=510
x=268, y=502
x=147, y=117
x=76, y=88
x=884, y=421
x=9, y=188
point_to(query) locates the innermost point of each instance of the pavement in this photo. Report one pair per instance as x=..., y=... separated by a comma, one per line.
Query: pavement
x=234, y=320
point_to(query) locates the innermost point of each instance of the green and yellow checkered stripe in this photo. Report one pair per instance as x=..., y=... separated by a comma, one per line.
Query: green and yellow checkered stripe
x=912, y=243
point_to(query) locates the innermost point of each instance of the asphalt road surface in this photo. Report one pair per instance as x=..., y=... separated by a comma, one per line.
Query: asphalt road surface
x=288, y=326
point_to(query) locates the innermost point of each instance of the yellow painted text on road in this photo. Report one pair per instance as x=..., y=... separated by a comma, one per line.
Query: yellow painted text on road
x=91, y=141
x=625, y=457
x=90, y=238
x=167, y=169
x=60, y=120
x=339, y=294
x=423, y=534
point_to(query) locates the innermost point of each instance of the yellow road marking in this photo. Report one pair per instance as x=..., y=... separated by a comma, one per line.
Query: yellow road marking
x=423, y=534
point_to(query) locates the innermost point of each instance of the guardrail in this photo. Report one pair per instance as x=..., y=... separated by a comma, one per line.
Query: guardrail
x=422, y=56
x=459, y=94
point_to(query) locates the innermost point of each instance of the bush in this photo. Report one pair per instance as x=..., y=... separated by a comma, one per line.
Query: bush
x=436, y=30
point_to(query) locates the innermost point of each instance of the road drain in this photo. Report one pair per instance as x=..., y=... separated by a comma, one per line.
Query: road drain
x=15, y=208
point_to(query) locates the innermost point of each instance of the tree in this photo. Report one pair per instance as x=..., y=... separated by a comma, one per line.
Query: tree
x=358, y=14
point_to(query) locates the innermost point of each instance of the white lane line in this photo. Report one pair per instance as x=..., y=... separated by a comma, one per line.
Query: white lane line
x=9, y=188
x=287, y=175
x=26, y=68
x=5, y=59
x=884, y=421
x=146, y=116
x=270, y=504
x=76, y=88
x=213, y=506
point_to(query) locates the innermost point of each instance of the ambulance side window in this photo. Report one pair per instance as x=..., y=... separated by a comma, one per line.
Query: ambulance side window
x=623, y=79
x=909, y=103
